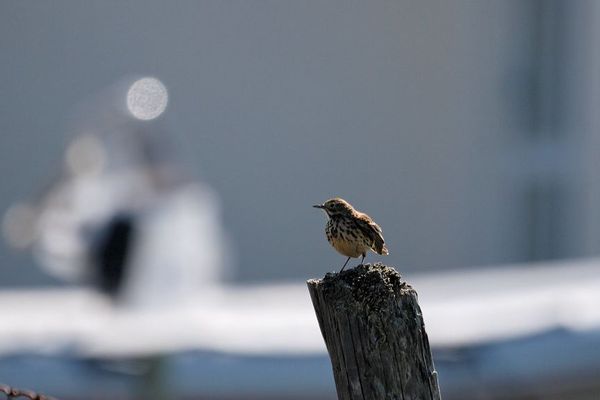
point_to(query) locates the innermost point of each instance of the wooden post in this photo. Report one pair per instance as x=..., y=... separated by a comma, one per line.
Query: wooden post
x=375, y=335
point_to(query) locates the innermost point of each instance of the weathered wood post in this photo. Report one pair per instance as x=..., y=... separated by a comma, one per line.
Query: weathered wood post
x=375, y=335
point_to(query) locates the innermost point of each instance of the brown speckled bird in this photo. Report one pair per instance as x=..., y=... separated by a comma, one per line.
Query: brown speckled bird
x=352, y=233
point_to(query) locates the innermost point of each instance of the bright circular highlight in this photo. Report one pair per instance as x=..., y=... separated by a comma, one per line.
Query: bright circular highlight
x=147, y=98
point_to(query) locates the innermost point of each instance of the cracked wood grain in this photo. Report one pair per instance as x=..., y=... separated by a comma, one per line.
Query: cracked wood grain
x=375, y=335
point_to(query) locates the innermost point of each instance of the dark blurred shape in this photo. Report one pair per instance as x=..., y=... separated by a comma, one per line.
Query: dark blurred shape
x=13, y=393
x=112, y=253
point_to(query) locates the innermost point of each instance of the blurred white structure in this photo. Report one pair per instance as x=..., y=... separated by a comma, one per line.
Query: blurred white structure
x=122, y=214
x=461, y=309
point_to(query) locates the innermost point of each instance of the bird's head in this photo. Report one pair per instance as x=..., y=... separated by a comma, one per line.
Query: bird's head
x=336, y=207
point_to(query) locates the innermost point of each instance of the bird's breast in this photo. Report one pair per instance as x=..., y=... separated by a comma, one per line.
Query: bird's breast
x=343, y=241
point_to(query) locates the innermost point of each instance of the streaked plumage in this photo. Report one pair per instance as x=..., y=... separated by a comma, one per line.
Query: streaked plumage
x=351, y=232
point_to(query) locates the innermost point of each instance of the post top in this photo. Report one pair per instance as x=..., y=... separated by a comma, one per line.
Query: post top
x=368, y=284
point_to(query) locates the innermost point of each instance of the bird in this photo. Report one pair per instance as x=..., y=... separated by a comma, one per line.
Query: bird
x=351, y=232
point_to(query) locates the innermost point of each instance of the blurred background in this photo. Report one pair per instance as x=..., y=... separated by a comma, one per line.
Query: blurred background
x=160, y=161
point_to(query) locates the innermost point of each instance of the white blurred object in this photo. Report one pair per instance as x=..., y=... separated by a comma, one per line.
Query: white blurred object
x=179, y=248
x=121, y=214
x=178, y=239
x=461, y=309
x=18, y=225
x=147, y=98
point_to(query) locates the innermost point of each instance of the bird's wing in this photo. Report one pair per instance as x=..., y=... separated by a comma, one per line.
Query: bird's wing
x=373, y=231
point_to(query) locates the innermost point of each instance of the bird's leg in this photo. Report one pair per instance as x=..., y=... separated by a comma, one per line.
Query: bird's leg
x=363, y=259
x=344, y=266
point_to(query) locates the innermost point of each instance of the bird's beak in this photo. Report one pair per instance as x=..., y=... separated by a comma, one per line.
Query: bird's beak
x=319, y=206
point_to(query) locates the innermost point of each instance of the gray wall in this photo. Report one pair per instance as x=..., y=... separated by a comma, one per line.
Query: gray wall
x=424, y=114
